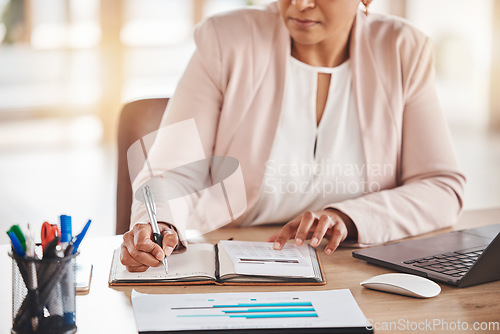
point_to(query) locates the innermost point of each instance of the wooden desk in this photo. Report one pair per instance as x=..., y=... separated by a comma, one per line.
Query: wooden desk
x=108, y=310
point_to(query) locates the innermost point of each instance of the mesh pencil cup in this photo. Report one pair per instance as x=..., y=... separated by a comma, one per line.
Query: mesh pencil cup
x=43, y=295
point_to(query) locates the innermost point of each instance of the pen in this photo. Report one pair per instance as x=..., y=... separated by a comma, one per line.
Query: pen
x=16, y=245
x=151, y=208
x=19, y=234
x=78, y=239
x=30, y=242
x=32, y=283
x=28, y=273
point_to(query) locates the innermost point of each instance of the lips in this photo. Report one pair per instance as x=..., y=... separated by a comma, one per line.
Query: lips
x=303, y=23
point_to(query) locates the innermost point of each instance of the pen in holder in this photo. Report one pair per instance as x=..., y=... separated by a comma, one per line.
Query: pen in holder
x=43, y=294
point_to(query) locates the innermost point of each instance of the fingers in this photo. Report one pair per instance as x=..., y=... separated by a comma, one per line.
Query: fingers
x=131, y=264
x=339, y=234
x=300, y=228
x=304, y=227
x=286, y=233
x=329, y=225
x=137, y=269
x=139, y=252
x=149, y=252
x=170, y=239
x=324, y=223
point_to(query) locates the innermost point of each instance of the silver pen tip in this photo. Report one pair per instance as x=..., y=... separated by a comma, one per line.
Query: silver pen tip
x=164, y=262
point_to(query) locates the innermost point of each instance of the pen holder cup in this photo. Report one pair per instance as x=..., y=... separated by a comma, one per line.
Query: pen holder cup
x=43, y=295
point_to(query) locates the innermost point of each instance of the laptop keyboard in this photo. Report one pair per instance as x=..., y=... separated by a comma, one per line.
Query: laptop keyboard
x=455, y=264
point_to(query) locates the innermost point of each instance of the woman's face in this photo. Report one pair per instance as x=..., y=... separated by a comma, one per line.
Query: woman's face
x=312, y=22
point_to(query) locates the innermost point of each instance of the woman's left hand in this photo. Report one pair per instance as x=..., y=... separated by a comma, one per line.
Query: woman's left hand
x=330, y=224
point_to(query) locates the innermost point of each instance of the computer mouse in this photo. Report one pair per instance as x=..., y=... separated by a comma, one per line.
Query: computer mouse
x=403, y=284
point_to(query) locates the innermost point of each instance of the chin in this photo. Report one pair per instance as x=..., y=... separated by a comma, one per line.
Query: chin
x=304, y=37
x=305, y=40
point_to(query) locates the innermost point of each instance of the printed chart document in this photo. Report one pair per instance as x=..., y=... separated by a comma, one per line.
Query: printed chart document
x=229, y=262
x=295, y=311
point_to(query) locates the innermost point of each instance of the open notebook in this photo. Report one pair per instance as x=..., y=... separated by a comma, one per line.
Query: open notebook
x=229, y=262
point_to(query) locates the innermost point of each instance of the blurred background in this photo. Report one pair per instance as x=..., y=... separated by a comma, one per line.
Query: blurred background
x=68, y=66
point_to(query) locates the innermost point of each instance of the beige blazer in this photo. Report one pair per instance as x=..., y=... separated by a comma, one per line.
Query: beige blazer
x=233, y=88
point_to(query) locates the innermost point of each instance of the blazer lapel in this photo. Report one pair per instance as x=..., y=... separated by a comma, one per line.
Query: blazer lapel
x=252, y=108
x=376, y=118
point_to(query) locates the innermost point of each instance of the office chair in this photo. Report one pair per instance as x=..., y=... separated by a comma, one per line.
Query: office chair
x=137, y=119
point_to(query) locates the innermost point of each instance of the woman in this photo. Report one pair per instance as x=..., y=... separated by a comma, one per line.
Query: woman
x=322, y=85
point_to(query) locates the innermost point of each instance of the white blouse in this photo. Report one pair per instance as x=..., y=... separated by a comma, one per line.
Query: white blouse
x=311, y=165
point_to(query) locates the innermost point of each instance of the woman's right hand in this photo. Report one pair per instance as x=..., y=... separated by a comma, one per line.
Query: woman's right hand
x=139, y=252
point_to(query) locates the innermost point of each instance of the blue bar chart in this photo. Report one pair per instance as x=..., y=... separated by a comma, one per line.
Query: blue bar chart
x=252, y=310
x=311, y=310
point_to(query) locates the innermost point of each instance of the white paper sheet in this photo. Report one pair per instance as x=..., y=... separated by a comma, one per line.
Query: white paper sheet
x=259, y=258
x=262, y=251
x=290, y=309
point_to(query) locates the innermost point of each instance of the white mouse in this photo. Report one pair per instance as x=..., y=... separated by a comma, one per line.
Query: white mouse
x=403, y=284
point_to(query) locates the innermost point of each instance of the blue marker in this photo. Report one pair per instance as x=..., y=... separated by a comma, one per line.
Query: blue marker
x=80, y=236
x=18, y=248
x=66, y=229
x=19, y=234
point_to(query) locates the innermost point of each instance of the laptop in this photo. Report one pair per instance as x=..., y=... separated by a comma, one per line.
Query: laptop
x=460, y=258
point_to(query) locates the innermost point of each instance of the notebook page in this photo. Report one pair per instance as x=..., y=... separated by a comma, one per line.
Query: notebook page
x=230, y=262
x=197, y=260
